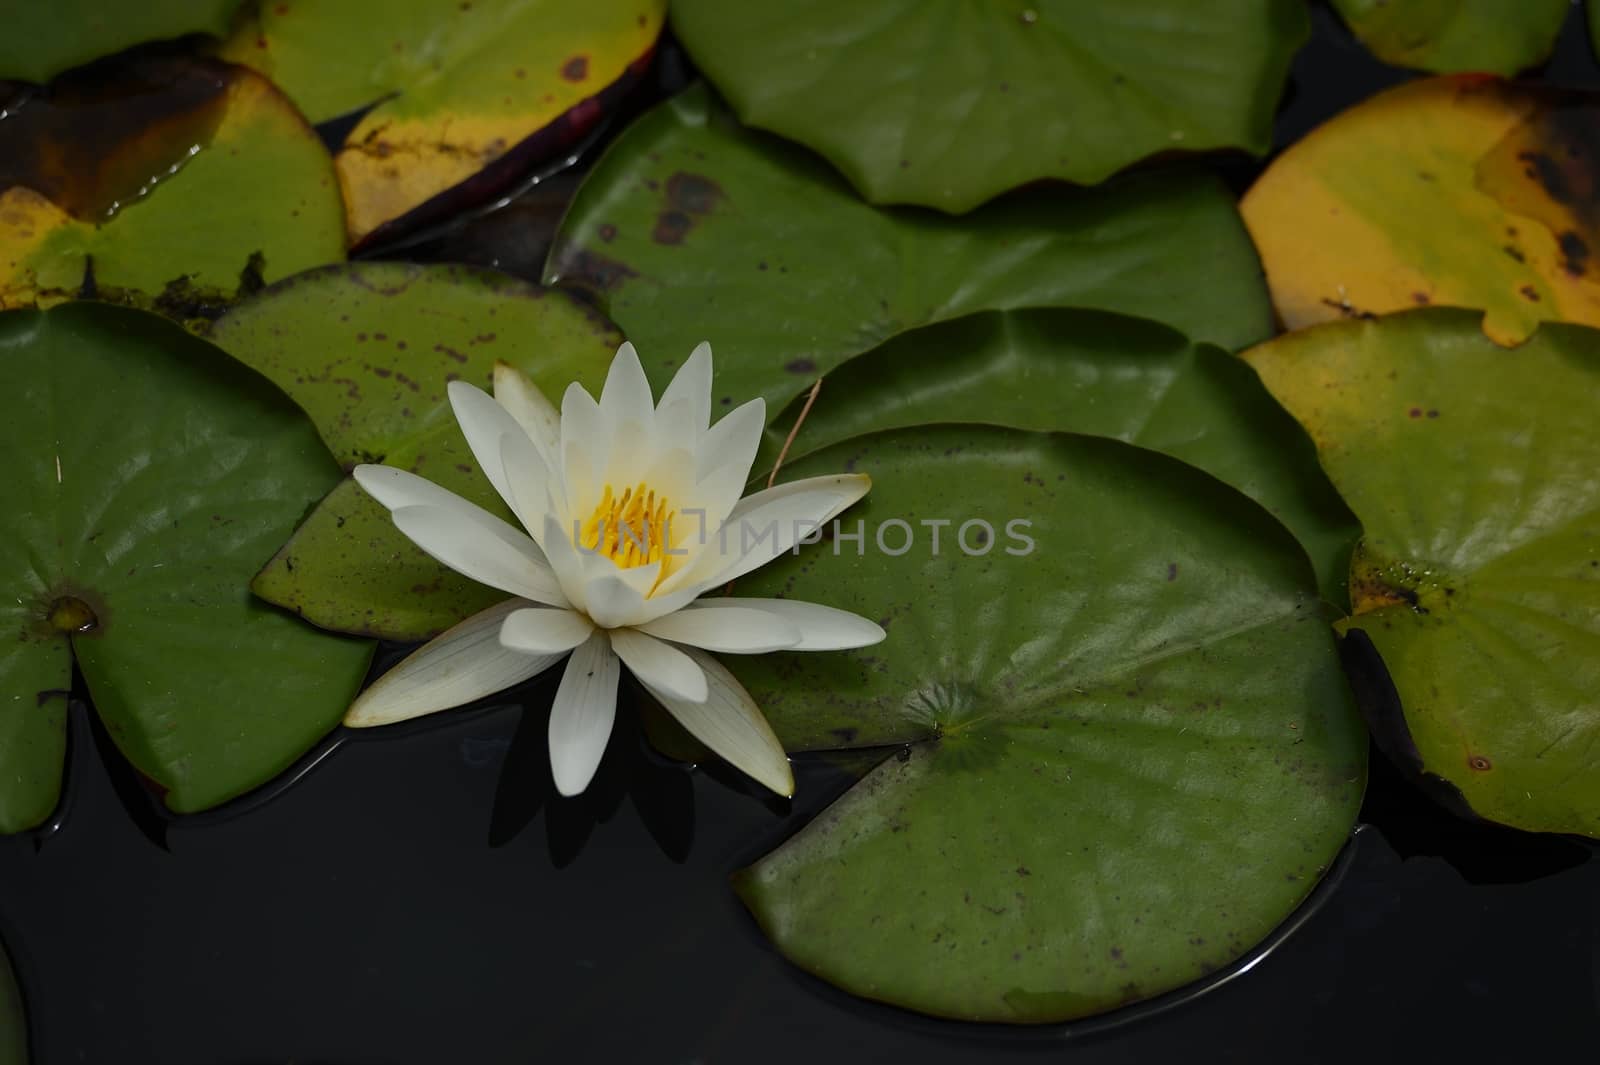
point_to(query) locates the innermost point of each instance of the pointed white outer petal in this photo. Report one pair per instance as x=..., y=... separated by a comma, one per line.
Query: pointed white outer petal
x=626, y=395
x=730, y=723
x=734, y=439
x=483, y=422
x=544, y=631
x=691, y=385
x=731, y=629
x=675, y=431
x=493, y=554
x=516, y=392
x=581, y=718
x=765, y=525
x=461, y=664
x=396, y=488
x=527, y=482
x=820, y=628
x=660, y=666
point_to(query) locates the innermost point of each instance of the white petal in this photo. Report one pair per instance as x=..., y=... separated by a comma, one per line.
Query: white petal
x=545, y=631
x=820, y=628
x=659, y=666
x=565, y=561
x=626, y=395
x=483, y=422
x=730, y=723
x=765, y=525
x=733, y=629
x=613, y=601
x=516, y=392
x=718, y=491
x=527, y=483
x=734, y=439
x=583, y=444
x=581, y=718
x=464, y=663
x=691, y=385
x=490, y=552
x=396, y=488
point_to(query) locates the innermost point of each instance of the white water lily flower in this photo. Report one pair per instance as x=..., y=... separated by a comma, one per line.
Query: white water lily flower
x=632, y=511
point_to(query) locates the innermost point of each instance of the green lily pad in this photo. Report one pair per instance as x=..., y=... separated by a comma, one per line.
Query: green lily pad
x=43, y=39
x=1456, y=36
x=1131, y=749
x=947, y=103
x=458, y=86
x=171, y=183
x=367, y=350
x=148, y=479
x=694, y=228
x=1472, y=469
x=1098, y=373
x=13, y=1020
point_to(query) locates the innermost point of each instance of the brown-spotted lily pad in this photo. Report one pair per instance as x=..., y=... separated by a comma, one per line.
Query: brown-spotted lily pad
x=367, y=350
x=1472, y=469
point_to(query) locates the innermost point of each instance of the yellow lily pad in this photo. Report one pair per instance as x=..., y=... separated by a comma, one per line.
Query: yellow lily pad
x=463, y=85
x=1466, y=191
x=165, y=182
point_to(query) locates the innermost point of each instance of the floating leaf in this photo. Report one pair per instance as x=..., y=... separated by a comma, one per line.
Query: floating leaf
x=1073, y=89
x=1472, y=469
x=1131, y=749
x=367, y=350
x=692, y=228
x=1092, y=372
x=42, y=39
x=1464, y=191
x=1456, y=36
x=148, y=478
x=462, y=85
x=182, y=180
x=13, y=1020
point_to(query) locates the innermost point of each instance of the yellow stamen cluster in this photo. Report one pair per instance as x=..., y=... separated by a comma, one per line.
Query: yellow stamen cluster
x=631, y=529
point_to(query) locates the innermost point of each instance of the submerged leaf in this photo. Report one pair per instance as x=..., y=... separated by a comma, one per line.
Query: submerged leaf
x=368, y=350
x=1463, y=191
x=1097, y=373
x=1472, y=469
x=1073, y=89
x=171, y=183
x=1131, y=749
x=693, y=227
x=458, y=87
x=149, y=477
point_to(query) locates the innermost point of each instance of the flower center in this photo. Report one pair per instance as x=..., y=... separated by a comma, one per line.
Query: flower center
x=632, y=529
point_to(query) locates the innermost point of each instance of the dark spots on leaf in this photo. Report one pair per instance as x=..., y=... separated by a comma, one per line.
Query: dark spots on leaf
x=1529, y=293
x=1433, y=414
x=1116, y=953
x=446, y=350
x=1172, y=571
x=1023, y=870
x=576, y=68
x=1515, y=253
x=1421, y=299
x=1424, y=175
x=1346, y=309
x=594, y=272
x=1576, y=251
x=727, y=401
x=608, y=232
x=383, y=371
x=361, y=338
x=400, y=344
x=1547, y=172
x=40, y=699
x=694, y=193
x=671, y=227
x=380, y=336
x=800, y=366
x=843, y=735
x=1479, y=763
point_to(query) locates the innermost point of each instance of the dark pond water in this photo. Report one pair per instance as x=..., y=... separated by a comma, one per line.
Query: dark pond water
x=418, y=897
